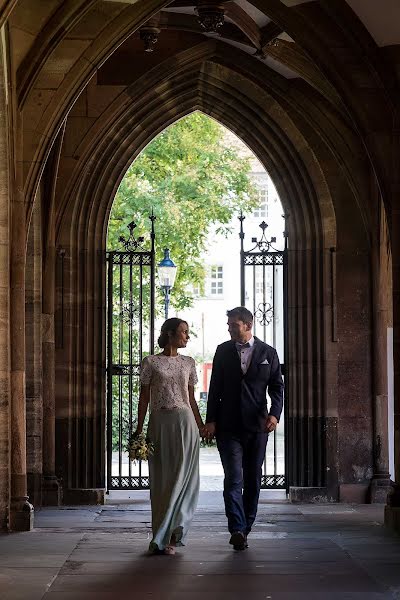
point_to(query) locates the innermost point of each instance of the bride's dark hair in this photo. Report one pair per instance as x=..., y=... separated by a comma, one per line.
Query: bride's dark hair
x=169, y=326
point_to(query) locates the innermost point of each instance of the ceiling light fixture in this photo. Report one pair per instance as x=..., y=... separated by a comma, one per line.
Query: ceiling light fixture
x=273, y=43
x=149, y=37
x=210, y=15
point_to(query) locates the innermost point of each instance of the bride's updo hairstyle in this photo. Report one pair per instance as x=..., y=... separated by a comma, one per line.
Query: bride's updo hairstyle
x=168, y=330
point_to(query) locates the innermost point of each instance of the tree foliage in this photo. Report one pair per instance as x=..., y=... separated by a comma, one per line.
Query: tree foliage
x=194, y=182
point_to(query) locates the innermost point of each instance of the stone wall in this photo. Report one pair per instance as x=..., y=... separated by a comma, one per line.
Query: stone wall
x=5, y=396
x=34, y=374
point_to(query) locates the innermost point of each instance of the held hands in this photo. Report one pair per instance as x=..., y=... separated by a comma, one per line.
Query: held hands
x=207, y=431
x=270, y=423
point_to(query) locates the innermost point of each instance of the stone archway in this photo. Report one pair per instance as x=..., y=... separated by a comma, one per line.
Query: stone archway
x=336, y=117
x=303, y=187
x=330, y=103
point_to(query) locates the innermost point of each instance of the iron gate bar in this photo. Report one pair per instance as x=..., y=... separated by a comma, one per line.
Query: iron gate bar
x=274, y=304
x=110, y=369
x=263, y=254
x=130, y=378
x=264, y=321
x=120, y=359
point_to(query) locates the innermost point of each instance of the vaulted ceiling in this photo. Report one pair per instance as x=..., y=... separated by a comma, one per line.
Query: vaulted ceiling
x=345, y=51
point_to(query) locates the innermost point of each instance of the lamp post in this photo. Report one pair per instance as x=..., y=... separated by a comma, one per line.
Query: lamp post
x=166, y=276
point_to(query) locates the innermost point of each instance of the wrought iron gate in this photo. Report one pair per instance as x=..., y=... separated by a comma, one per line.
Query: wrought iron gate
x=130, y=336
x=263, y=285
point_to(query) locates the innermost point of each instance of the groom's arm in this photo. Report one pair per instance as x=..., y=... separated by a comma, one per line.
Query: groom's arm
x=215, y=390
x=275, y=388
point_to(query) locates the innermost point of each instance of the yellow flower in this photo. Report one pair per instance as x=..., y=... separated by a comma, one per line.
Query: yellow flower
x=139, y=447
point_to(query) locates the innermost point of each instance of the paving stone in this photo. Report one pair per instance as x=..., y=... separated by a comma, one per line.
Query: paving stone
x=211, y=585
x=210, y=568
x=333, y=553
x=25, y=582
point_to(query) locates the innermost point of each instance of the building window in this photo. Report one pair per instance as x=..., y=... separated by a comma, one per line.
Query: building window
x=196, y=290
x=261, y=212
x=216, y=280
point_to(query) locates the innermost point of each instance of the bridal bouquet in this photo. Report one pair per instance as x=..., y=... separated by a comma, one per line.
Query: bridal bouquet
x=140, y=447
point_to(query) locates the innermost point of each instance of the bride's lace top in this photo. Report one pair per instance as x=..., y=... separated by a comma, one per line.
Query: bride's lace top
x=169, y=377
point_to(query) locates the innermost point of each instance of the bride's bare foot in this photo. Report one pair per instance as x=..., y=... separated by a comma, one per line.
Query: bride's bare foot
x=169, y=550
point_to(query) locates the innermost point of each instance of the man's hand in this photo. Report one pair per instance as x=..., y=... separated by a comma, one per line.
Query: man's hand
x=209, y=431
x=271, y=423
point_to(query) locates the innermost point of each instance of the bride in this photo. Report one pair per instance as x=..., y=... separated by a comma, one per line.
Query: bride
x=167, y=385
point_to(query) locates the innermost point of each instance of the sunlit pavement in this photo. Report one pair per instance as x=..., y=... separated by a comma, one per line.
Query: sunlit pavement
x=325, y=551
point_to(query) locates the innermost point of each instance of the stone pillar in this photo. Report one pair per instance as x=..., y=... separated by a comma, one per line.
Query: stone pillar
x=396, y=352
x=51, y=486
x=392, y=509
x=5, y=393
x=380, y=482
x=33, y=345
x=307, y=426
x=80, y=373
x=21, y=511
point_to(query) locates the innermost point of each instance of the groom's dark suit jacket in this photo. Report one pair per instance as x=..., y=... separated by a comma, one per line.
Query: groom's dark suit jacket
x=238, y=402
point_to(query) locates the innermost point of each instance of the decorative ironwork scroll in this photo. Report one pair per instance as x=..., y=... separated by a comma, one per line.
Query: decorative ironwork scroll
x=264, y=313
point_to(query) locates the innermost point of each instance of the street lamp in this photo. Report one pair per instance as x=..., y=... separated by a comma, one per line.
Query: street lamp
x=166, y=276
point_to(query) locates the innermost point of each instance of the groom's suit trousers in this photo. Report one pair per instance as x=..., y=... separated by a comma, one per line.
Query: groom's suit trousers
x=242, y=456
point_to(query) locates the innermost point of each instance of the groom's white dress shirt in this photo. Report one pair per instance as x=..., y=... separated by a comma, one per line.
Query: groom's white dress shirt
x=245, y=352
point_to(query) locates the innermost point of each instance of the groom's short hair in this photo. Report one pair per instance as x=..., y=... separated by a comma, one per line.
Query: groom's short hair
x=242, y=313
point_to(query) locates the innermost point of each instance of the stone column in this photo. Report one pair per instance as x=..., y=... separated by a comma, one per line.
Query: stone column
x=33, y=348
x=5, y=393
x=21, y=513
x=396, y=351
x=307, y=426
x=392, y=509
x=51, y=487
x=380, y=483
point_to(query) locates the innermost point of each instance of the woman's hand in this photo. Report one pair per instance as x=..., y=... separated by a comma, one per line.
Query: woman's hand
x=209, y=430
x=202, y=430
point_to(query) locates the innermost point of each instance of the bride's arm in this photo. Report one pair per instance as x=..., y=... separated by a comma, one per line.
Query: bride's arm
x=144, y=399
x=195, y=408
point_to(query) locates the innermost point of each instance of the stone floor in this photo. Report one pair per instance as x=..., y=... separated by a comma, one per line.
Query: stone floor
x=296, y=552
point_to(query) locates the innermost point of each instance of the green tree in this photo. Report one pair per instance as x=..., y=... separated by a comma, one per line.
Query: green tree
x=193, y=181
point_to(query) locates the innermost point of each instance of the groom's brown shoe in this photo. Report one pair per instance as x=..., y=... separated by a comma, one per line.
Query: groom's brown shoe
x=238, y=540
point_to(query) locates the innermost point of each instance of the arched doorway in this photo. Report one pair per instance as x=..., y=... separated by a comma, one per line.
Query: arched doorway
x=317, y=121
x=231, y=183
x=305, y=194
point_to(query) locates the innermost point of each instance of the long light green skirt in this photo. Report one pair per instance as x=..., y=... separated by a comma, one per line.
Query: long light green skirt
x=174, y=474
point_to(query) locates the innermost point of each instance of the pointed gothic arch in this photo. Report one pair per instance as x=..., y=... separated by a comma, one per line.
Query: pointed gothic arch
x=289, y=155
x=329, y=135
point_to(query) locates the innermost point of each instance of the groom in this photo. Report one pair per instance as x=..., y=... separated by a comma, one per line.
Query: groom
x=243, y=369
